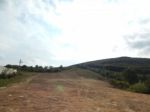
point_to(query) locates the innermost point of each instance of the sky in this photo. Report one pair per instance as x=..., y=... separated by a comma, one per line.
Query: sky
x=66, y=32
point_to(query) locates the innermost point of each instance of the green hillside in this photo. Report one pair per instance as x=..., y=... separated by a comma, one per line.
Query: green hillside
x=124, y=72
x=141, y=65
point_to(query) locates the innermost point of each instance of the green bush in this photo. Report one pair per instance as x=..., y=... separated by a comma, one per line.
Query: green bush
x=120, y=84
x=147, y=83
x=139, y=87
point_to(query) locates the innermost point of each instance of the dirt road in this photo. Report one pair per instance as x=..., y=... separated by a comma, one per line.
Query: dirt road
x=69, y=91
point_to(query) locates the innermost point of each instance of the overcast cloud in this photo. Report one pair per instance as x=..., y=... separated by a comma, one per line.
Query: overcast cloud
x=55, y=32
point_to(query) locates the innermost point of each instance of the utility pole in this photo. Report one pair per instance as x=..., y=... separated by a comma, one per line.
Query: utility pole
x=20, y=62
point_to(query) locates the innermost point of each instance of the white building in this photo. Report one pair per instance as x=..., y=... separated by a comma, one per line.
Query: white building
x=8, y=71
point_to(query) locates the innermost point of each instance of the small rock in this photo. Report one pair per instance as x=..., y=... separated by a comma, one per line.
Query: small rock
x=21, y=96
x=10, y=95
x=98, y=109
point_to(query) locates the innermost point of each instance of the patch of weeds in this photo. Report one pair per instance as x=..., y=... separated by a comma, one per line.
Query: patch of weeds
x=19, y=77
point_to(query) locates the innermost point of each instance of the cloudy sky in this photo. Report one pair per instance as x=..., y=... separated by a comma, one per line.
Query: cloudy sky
x=55, y=32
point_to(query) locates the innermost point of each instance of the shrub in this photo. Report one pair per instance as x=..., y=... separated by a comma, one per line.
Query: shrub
x=130, y=76
x=139, y=87
x=147, y=83
x=120, y=84
x=17, y=78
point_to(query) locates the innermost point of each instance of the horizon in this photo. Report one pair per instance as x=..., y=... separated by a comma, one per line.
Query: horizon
x=68, y=32
x=76, y=63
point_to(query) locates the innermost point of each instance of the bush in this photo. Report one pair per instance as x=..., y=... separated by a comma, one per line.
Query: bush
x=147, y=83
x=120, y=84
x=130, y=76
x=17, y=78
x=139, y=87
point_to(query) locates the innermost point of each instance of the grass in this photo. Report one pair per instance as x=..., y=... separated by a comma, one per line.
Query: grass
x=16, y=79
x=84, y=73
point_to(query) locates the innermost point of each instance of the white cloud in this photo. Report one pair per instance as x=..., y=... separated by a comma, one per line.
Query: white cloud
x=66, y=31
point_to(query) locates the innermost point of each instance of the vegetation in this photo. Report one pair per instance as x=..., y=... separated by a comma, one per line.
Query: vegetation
x=119, y=84
x=19, y=77
x=139, y=87
x=83, y=73
x=131, y=74
x=125, y=73
x=22, y=74
x=36, y=68
x=129, y=80
x=4, y=75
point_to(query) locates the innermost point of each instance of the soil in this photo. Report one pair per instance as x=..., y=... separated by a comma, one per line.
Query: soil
x=68, y=92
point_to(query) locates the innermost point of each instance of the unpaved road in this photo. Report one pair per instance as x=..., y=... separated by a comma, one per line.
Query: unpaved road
x=69, y=92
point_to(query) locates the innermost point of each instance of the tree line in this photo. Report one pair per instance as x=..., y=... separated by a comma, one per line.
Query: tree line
x=36, y=68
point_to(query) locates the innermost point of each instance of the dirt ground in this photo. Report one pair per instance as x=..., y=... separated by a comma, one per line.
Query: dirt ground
x=68, y=92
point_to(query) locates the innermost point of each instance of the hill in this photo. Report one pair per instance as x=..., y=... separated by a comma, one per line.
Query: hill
x=124, y=72
x=142, y=65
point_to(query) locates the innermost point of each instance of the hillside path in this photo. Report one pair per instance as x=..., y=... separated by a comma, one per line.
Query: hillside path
x=68, y=91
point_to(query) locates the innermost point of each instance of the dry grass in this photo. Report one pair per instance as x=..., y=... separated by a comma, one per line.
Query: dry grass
x=69, y=91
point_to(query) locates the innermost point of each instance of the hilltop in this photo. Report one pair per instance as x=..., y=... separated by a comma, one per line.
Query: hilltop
x=118, y=64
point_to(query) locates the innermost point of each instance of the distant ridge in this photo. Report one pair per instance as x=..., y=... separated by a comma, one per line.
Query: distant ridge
x=117, y=64
x=121, y=61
